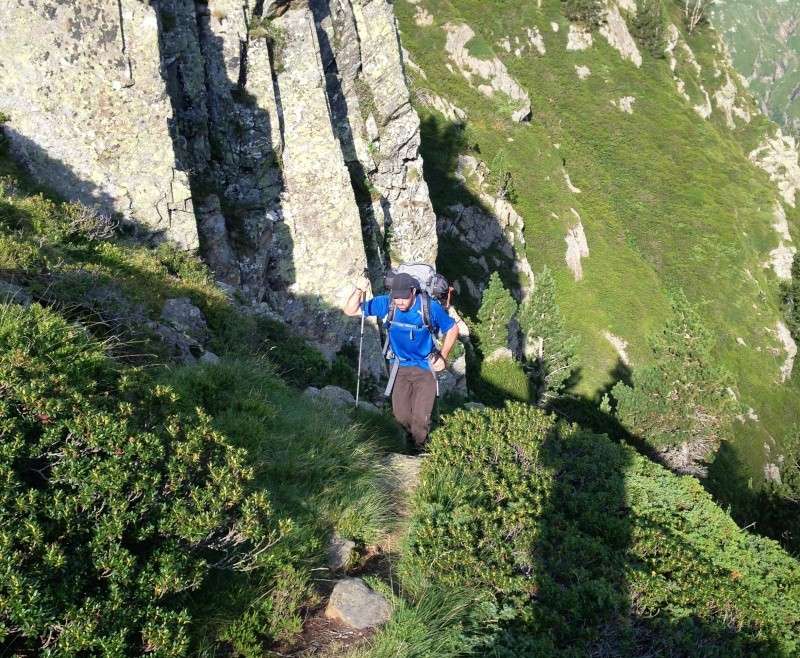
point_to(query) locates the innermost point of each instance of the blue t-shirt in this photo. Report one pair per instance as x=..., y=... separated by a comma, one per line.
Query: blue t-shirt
x=410, y=340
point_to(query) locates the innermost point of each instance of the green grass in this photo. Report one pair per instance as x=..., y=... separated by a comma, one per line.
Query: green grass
x=668, y=200
x=321, y=473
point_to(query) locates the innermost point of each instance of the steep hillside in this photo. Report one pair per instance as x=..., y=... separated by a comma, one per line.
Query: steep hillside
x=764, y=41
x=634, y=175
x=161, y=498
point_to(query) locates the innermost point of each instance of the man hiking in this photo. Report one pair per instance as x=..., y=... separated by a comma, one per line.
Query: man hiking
x=412, y=345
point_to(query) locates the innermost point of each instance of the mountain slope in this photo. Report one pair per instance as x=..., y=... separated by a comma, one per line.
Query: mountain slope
x=764, y=40
x=649, y=165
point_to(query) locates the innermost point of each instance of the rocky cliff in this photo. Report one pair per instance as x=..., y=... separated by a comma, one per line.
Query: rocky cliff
x=277, y=137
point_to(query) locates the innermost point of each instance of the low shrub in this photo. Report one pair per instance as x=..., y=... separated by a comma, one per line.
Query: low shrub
x=648, y=27
x=578, y=546
x=588, y=12
x=318, y=469
x=114, y=504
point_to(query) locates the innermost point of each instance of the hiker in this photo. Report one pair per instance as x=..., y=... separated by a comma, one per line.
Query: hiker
x=414, y=353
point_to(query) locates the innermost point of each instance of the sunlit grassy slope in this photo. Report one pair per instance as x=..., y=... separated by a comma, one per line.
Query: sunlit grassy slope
x=764, y=38
x=668, y=200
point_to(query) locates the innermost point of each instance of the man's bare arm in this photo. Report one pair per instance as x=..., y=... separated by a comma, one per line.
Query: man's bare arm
x=353, y=305
x=450, y=339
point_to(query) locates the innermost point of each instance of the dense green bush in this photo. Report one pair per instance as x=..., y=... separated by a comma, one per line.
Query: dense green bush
x=500, y=179
x=649, y=27
x=497, y=309
x=589, y=12
x=790, y=294
x=319, y=471
x=682, y=395
x=113, y=504
x=576, y=546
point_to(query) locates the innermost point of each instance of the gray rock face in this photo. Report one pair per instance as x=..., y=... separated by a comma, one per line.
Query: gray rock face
x=236, y=127
x=494, y=225
x=184, y=316
x=376, y=124
x=89, y=111
x=453, y=381
x=356, y=605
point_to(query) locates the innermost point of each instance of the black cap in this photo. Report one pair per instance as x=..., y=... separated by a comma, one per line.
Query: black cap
x=403, y=285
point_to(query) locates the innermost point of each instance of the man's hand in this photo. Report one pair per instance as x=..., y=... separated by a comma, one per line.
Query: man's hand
x=437, y=361
x=362, y=283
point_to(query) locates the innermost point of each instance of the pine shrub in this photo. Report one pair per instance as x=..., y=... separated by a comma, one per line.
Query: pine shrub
x=588, y=12
x=497, y=309
x=648, y=27
x=550, y=350
x=682, y=396
x=113, y=505
x=572, y=546
x=790, y=294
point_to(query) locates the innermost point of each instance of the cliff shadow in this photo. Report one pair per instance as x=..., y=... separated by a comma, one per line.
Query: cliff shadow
x=223, y=140
x=466, y=256
x=596, y=561
x=762, y=510
x=48, y=175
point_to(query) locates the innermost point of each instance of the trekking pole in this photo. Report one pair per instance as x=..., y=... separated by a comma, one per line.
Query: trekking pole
x=360, y=342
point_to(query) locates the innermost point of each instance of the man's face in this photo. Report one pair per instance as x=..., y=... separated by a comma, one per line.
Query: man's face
x=404, y=304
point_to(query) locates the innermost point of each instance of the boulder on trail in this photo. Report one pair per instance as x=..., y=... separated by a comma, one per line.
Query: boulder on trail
x=356, y=605
x=339, y=397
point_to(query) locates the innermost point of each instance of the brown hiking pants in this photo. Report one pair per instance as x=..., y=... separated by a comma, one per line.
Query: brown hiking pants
x=413, y=396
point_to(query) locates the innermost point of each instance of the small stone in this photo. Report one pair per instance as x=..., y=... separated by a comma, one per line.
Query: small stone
x=311, y=392
x=209, y=358
x=459, y=366
x=183, y=349
x=340, y=553
x=11, y=293
x=337, y=396
x=368, y=407
x=184, y=316
x=474, y=406
x=356, y=605
x=500, y=354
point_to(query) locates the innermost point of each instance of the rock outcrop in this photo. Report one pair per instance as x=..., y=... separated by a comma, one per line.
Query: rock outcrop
x=89, y=111
x=490, y=228
x=277, y=138
x=491, y=75
x=779, y=156
x=577, y=248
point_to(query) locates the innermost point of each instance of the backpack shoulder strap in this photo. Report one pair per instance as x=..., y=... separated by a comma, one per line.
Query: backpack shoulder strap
x=389, y=317
x=425, y=305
